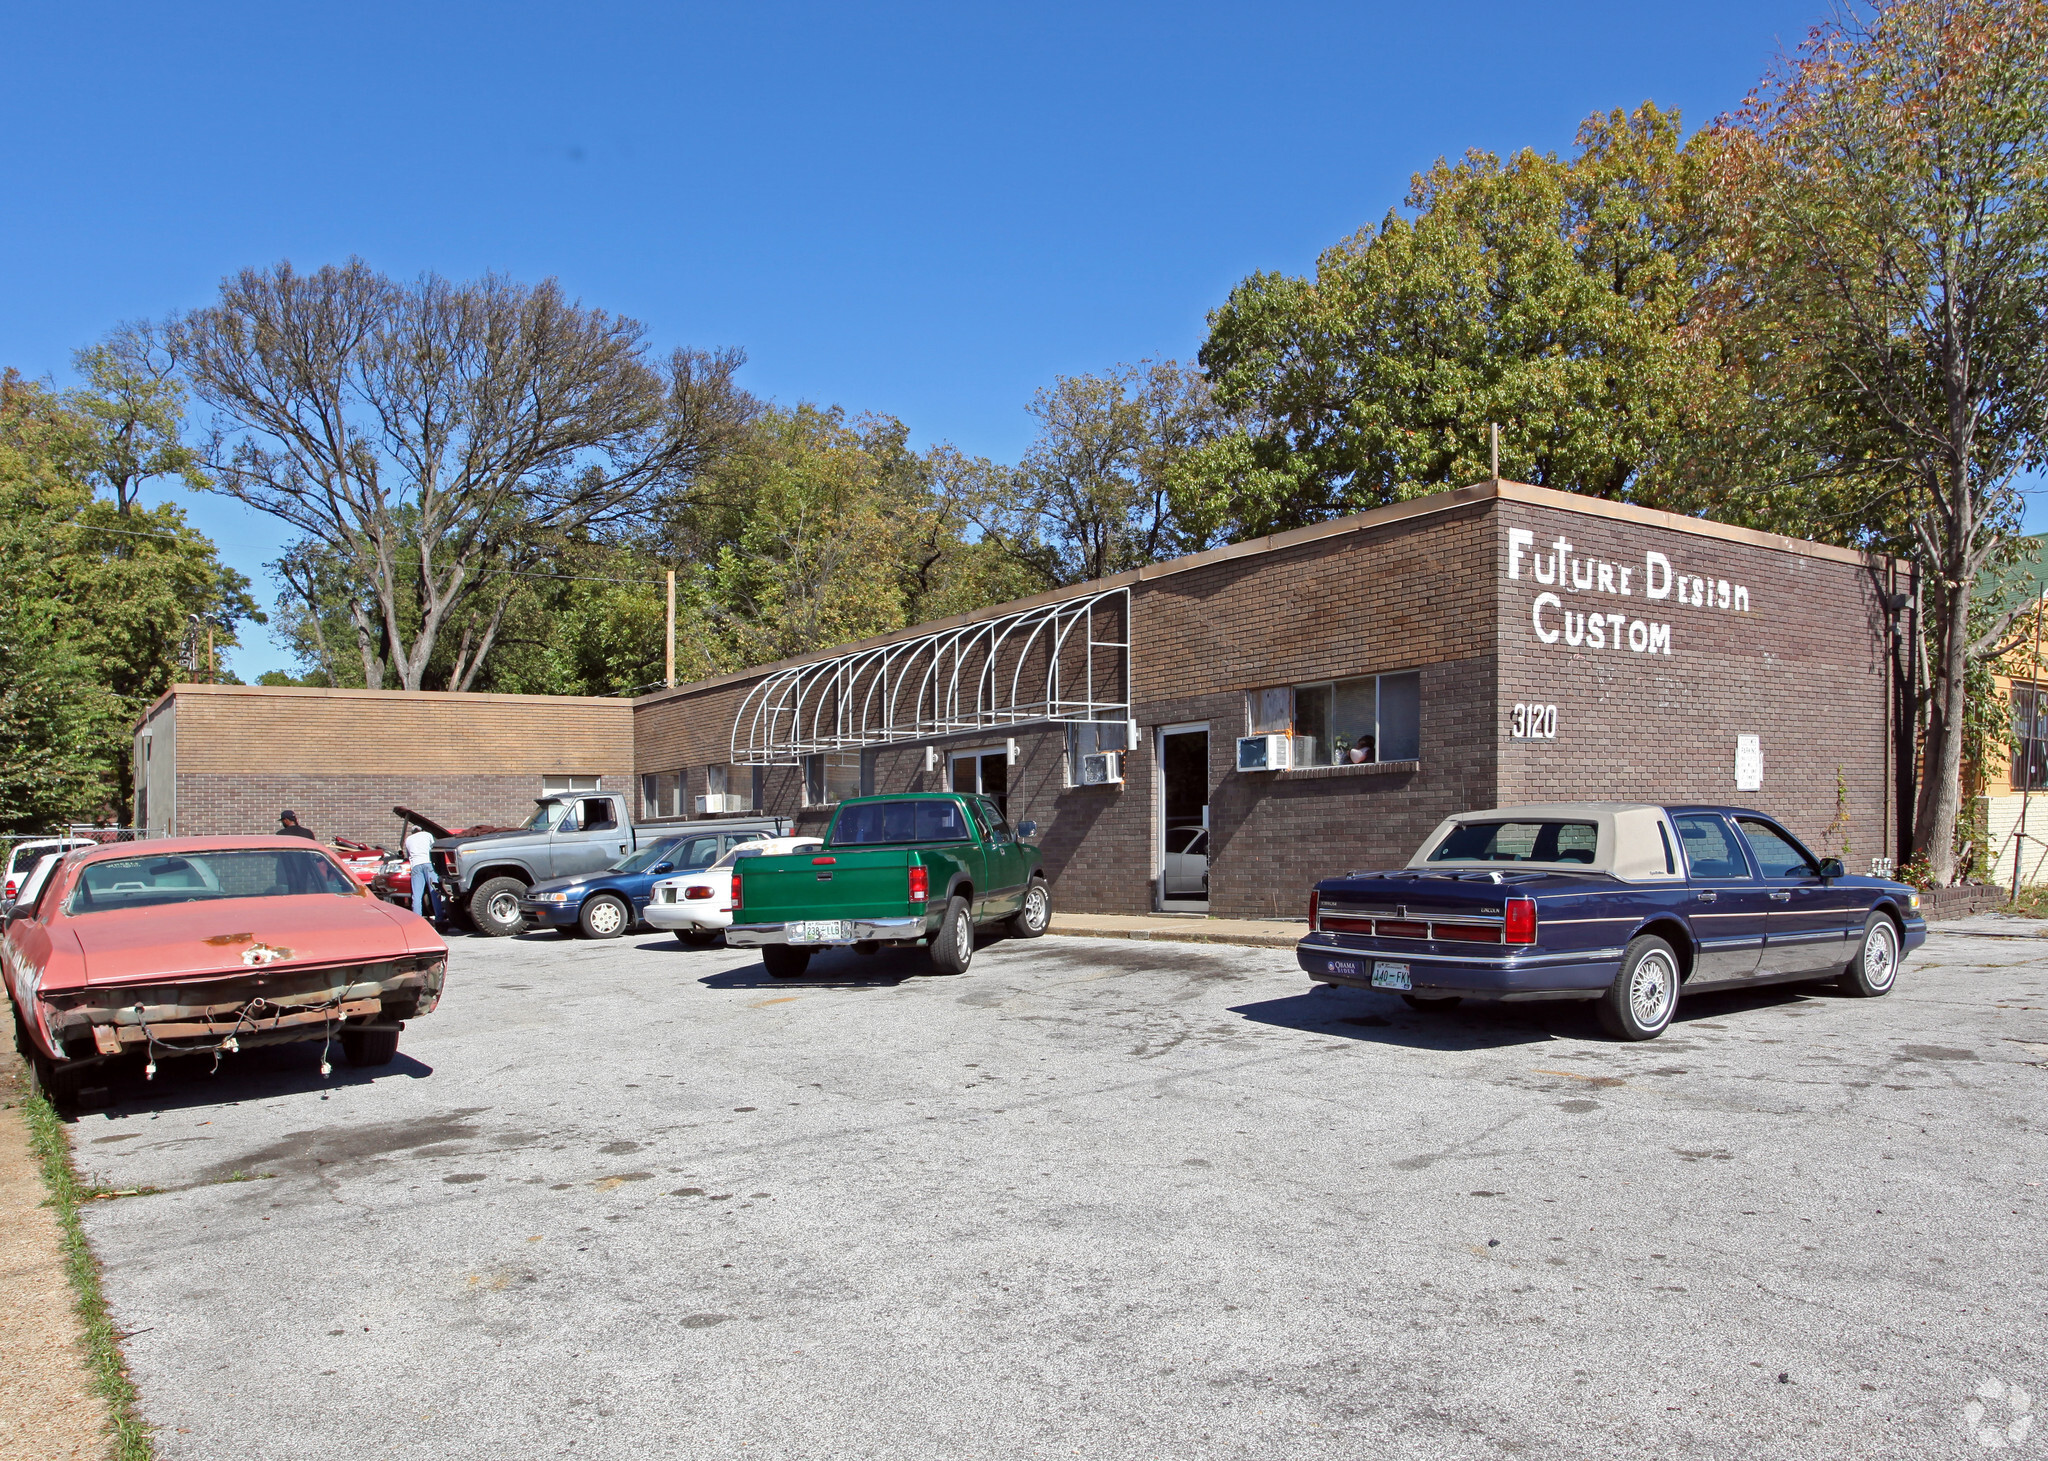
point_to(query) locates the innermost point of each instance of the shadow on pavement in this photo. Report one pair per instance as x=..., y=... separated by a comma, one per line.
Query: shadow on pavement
x=1385, y=1019
x=184, y=1083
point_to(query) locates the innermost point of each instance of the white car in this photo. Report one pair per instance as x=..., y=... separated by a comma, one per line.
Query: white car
x=24, y=856
x=696, y=906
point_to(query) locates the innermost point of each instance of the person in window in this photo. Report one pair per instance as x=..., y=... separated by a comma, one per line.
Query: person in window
x=288, y=826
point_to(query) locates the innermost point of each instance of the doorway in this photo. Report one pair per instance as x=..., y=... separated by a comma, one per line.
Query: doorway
x=1184, y=818
x=985, y=771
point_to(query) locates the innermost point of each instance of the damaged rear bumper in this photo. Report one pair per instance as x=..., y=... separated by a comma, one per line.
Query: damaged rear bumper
x=202, y=1015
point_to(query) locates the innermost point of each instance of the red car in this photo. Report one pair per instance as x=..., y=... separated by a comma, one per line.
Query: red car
x=361, y=859
x=205, y=946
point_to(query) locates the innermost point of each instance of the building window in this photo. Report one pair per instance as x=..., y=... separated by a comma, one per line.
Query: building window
x=557, y=785
x=2030, y=738
x=1087, y=738
x=1344, y=722
x=730, y=789
x=662, y=793
x=830, y=778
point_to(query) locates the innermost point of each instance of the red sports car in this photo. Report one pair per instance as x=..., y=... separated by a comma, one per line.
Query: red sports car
x=207, y=945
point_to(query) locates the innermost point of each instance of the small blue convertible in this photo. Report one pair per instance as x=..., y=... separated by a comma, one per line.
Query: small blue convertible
x=1624, y=904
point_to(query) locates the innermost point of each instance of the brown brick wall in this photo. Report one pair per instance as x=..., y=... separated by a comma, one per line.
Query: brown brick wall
x=214, y=804
x=1803, y=669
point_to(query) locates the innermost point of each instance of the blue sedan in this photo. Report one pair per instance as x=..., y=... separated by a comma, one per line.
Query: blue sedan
x=609, y=903
x=1625, y=905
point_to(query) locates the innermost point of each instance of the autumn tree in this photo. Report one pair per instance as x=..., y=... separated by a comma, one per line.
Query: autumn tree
x=1886, y=192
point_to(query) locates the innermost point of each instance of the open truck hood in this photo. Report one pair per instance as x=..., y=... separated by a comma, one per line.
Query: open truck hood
x=233, y=936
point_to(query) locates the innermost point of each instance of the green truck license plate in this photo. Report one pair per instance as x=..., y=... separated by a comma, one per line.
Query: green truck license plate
x=828, y=932
x=1390, y=976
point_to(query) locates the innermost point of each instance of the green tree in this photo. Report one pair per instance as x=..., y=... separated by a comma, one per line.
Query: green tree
x=1887, y=197
x=1559, y=299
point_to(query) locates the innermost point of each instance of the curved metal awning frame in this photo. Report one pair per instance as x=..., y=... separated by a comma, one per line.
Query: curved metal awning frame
x=1065, y=661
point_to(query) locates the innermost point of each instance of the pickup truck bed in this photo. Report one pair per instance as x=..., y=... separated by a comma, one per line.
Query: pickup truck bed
x=894, y=871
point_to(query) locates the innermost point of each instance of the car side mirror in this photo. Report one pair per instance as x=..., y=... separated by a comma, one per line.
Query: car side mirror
x=1026, y=828
x=1832, y=868
x=663, y=867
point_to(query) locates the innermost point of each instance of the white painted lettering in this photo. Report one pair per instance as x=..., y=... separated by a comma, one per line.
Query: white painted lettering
x=1548, y=636
x=1721, y=589
x=1660, y=639
x=1596, y=631
x=1638, y=636
x=1741, y=599
x=1582, y=575
x=1574, y=628
x=1617, y=620
x=1607, y=578
x=1656, y=576
x=1624, y=581
x=1518, y=539
x=1546, y=567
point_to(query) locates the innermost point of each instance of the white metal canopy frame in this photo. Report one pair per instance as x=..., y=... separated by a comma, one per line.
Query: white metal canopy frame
x=1065, y=661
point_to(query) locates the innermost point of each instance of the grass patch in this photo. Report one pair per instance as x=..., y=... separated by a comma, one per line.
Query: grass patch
x=103, y=1354
x=2031, y=903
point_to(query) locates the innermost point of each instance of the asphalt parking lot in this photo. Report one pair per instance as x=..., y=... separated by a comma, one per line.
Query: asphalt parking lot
x=1092, y=1198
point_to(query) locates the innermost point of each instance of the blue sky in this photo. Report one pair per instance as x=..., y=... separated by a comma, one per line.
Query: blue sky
x=924, y=210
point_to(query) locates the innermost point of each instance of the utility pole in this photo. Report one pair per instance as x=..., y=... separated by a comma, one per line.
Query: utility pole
x=212, y=674
x=2026, y=750
x=669, y=663
x=1494, y=428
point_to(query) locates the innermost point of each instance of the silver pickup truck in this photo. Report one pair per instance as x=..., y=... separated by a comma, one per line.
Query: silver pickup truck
x=576, y=832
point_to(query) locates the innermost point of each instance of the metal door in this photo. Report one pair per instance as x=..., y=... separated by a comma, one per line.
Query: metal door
x=1183, y=803
x=1805, y=935
x=1729, y=912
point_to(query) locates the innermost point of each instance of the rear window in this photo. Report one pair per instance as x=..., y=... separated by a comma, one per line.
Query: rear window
x=871, y=822
x=190, y=877
x=1519, y=842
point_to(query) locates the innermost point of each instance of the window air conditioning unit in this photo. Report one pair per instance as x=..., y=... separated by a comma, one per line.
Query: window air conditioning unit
x=1102, y=768
x=1263, y=753
x=719, y=803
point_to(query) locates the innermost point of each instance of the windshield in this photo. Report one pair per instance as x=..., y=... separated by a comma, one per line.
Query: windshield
x=919, y=821
x=1519, y=842
x=190, y=877
x=646, y=857
x=544, y=817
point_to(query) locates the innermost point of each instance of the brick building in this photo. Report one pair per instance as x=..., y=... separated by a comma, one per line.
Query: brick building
x=1496, y=644
x=221, y=759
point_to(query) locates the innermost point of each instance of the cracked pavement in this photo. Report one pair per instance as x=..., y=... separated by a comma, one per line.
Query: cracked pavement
x=1094, y=1197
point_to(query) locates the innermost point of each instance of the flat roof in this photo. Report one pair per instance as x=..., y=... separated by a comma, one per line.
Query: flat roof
x=1378, y=517
x=196, y=689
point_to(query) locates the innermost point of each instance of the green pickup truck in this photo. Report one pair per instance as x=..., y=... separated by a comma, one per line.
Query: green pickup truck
x=894, y=871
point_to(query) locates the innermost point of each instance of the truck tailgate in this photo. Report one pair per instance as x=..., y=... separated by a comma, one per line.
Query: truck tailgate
x=826, y=885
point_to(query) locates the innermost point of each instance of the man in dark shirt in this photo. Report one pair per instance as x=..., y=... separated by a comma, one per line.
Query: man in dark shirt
x=288, y=826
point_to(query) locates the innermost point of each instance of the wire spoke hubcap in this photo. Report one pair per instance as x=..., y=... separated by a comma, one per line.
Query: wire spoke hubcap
x=1880, y=959
x=1649, y=990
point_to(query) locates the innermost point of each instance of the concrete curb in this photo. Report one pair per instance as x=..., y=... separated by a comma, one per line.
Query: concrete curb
x=1174, y=936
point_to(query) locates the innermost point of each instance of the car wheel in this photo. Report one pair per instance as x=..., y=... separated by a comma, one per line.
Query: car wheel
x=494, y=907
x=1432, y=1001
x=604, y=917
x=953, y=945
x=369, y=1047
x=785, y=962
x=1640, y=1002
x=1035, y=917
x=1876, y=967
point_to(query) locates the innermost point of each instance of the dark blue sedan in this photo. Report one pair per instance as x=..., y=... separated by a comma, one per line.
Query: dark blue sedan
x=609, y=903
x=1627, y=905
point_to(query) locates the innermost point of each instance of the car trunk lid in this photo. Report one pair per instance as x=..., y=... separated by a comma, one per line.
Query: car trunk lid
x=234, y=936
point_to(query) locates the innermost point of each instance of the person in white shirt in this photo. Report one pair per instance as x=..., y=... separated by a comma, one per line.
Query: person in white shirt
x=419, y=857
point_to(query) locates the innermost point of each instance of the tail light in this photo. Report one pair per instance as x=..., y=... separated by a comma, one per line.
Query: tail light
x=1315, y=908
x=10, y=890
x=735, y=891
x=701, y=891
x=920, y=883
x=1519, y=925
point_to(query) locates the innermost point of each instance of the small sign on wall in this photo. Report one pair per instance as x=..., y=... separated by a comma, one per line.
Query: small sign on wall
x=1749, y=763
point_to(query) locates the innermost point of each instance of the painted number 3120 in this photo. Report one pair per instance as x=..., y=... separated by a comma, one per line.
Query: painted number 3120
x=1533, y=722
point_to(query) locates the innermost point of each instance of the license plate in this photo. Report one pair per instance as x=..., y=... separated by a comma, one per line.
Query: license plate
x=1390, y=976
x=828, y=932
x=1341, y=966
